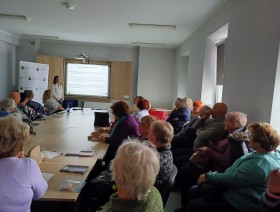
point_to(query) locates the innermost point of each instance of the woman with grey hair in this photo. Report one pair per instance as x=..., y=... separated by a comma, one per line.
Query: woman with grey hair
x=7, y=106
x=134, y=170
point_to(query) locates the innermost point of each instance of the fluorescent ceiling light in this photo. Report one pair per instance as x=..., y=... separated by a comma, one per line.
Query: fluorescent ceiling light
x=23, y=17
x=40, y=37
x=159, y=26
x=149, y=44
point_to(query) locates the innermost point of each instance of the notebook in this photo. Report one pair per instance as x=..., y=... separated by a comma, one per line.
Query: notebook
x=74, y=168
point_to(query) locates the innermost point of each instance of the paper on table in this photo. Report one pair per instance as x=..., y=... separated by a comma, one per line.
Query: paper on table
x=47, y=176
x=49, y=154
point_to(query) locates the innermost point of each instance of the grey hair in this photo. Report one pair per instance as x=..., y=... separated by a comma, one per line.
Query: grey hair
x=239, y=118
x=135, y=168
x=205, y=108
x=7, y=103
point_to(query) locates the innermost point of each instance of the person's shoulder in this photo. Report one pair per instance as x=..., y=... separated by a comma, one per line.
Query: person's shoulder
x=154, y=200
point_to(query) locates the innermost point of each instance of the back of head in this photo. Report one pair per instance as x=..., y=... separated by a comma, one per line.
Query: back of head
x=13, y=134
x=120, y=108
x=219, y=111
x=163, y=131
x=143, y=104
x=135, y=168
x=264, y=134
x=7, y=104
x=15, y=96
x=29, y=94
x=238, y=118
x=198, y=104
x=46, y=95
x=188, y=102
x=23, y=97
x=149, y=119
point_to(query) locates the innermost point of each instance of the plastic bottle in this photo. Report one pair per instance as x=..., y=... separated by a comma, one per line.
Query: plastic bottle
x=68, y=108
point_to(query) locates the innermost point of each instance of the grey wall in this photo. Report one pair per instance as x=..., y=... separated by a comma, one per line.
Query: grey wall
x=155, y=76
x=251, y=56
x=8, y=71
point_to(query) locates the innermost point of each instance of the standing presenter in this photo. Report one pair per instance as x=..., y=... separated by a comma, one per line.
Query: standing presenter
x=57, y=90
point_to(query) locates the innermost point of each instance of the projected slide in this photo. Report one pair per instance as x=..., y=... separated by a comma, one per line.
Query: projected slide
x=87, y=79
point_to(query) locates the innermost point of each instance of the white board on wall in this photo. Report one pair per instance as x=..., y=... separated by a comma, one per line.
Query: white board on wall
x=33, y=76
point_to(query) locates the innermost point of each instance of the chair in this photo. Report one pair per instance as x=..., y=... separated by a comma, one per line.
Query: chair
x=35, y=153
x=70, y=102
x=167, y=187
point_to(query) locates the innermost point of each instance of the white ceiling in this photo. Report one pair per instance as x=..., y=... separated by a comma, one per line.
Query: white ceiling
x=106, y=21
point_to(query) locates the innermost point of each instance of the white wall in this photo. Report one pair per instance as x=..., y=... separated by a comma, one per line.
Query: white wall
x=156, y=76
x=8, y=73
x=275, y=120
x=251, y=56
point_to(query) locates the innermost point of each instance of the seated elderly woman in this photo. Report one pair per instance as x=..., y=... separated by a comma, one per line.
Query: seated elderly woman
x=144, y=126
x=180, y=114
x=50, y=103
x=21, y=179
x=124, y=126
x=135, y=179
x=161, y=134
x=7, y=106
x=143, y=105
x=246, y=179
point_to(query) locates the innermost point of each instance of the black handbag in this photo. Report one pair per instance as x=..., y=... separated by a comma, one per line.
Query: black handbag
x=100, y=189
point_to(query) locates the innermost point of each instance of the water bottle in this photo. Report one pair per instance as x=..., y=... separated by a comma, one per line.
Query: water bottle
x=68, y=108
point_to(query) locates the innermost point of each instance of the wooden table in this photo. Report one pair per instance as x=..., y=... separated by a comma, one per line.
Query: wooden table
x=66, y=133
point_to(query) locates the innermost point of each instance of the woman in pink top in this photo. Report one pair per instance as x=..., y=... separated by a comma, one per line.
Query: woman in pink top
x=21, y=179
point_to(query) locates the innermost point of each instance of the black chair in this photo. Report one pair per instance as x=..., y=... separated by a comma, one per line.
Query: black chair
x=167, y=187
x=101, y=119
x=70, y=102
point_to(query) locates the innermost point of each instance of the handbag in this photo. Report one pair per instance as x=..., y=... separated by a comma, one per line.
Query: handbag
x=100, y=189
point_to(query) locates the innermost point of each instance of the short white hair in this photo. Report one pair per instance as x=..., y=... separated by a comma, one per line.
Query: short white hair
x=135, y=168
x=7, y=104
x=239, y=118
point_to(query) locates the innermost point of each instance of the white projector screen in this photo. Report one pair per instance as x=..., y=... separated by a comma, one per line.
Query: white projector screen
x=87, y=79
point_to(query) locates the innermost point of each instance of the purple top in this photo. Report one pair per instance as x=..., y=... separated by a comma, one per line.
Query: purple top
x=127, y=127
x=21, y=182
x=220, y=155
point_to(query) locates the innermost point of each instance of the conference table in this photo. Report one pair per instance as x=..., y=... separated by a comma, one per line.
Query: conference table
x=63, y=133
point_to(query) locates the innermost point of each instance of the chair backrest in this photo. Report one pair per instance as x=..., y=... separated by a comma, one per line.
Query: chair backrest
x=70, y=102
x=35, y=153
x=101, y=119
x=167, y=187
